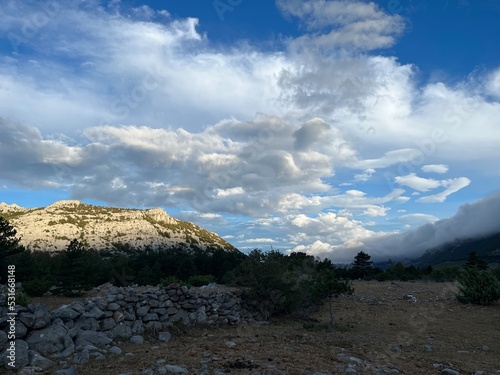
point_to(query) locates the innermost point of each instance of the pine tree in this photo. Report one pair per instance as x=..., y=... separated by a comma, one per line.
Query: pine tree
x=71, y=280
x=9, y=244
x=362, y=264
x=478, y=287
x=475, y=261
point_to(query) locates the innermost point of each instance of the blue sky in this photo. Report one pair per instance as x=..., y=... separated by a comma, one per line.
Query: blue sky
x=318, y=126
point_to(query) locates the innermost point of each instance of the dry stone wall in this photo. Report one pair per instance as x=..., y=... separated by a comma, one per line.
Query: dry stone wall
x=71, y=332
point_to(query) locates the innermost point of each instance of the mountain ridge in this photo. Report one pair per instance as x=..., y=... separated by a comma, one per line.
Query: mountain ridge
x=51, y=228
x=456, y=252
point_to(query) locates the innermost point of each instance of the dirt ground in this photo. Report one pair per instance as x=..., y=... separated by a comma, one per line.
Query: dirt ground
x=379, y=329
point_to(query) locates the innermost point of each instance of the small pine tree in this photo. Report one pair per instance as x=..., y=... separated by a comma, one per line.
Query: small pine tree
x=71, y=280
x=328, y=285
x=478, y=287
x=9, y=244
x=362, y=264
x=475, y=261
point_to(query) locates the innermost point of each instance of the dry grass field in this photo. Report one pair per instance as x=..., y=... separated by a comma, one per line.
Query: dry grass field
x=379, y=330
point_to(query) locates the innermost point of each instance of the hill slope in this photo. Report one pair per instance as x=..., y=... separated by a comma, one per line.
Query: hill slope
x=456, y=252
x=52, y=227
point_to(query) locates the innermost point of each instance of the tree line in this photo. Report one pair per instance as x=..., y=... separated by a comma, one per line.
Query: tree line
x=279, y=283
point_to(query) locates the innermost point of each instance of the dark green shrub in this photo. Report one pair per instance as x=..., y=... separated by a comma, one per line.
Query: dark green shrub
x=200, y=280
x=37, y=287
x=478, y=287
x=22, y=299
x=169, y=280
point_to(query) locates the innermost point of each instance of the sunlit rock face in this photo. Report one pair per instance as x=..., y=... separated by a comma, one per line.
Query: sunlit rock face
x=51, y=228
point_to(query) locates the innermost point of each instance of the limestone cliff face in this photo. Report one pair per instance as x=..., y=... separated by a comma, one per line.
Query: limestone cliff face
x=51, y=228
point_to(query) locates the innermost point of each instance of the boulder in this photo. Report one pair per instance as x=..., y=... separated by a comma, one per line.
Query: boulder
x=21, y=330
x=137, y=327
x=107, y=324
x=113, y=306
x=115, y=350
x=65, y=313
x=95, y=313
x=81, y=358
x=164, y=336
x=121, y=331
x=37, y=360
x=142, y=311
x=201, y=315
x=84, y=324
x=101, y=303
x=137, y=339
x=150, y=317
x=41, y=317
x=118, y=316
x=99, y=339
x=52, y=339
x=129, y=314
x=21, y=355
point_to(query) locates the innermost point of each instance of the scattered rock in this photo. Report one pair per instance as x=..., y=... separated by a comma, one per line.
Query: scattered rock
x=164, y=336
x=172, y=369
x=137, y=339
x=37, y=360
x=115, y=350
x=350, y=358
x=81, y=358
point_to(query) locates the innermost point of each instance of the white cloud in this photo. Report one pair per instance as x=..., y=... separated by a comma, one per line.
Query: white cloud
x=423, y=185
x=417, y=219
x=471, y=220
x=365, y=176
x=222, y=193
x=493, y=83
x=390, y=158
x=260, y=240
x=417, y=183
x=317, y=248
x=343, y=24
x=134, y=71
x=148, y=102
x=376, y=211
x=434, y=168
x=452, y=186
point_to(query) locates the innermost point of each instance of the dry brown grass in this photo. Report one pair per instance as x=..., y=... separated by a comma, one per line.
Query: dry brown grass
x=376, y=324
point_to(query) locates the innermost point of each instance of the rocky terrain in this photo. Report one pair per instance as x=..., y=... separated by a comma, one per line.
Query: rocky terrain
x=75, y=333
x=383, y=328
x=51, y=228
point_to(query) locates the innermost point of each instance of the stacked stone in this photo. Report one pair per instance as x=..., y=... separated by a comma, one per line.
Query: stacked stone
x=123, y=314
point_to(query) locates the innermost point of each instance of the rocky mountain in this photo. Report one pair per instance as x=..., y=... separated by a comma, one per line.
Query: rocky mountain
x=51, y=228
x=457, y=252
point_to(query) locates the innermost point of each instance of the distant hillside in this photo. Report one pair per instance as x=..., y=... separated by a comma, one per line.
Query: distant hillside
x=456, y=252
x=51, y=228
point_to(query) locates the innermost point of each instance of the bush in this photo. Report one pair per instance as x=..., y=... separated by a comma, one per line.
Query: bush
x=37, y=287
x=169, y=280
x=478, y=287
x=200, y=280
x=22, y=299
